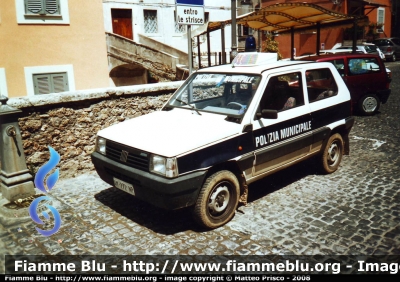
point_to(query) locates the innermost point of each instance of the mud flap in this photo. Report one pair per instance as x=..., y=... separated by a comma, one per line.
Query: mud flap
x=243, y=191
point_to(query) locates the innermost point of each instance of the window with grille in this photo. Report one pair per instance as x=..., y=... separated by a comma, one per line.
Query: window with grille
x=179, y=28
x=42, y=7
x=50, y=83
x=150, y=21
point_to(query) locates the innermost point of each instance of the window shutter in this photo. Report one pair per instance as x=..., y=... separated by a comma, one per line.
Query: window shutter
x=50, y=83
x=42, y=7
x=52, y=7
x=60, y=82
x=41, y=84
x=34, y=6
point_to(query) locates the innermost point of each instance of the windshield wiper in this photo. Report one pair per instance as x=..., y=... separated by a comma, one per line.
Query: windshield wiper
x=186, y=103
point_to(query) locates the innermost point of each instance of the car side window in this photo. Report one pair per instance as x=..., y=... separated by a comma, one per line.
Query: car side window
x=283, y=92
x=320, y=84
x=339, y=65
x=363, y=66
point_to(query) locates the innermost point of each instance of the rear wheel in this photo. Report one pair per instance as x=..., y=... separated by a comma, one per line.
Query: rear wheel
x=217, y=200
x=394, y=57
x=333, y=152
x=369, y=104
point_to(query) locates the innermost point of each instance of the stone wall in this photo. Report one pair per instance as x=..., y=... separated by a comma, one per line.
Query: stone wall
x=68, y=122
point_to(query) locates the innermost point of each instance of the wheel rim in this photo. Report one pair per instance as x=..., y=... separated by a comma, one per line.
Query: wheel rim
x=333, y=154
x=219, y=199
x=369, y=104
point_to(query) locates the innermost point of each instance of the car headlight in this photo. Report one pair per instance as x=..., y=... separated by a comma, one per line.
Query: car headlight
x=167, y=167
x=101, y=145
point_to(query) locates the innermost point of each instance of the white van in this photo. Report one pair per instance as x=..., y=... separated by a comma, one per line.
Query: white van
x=224, y=128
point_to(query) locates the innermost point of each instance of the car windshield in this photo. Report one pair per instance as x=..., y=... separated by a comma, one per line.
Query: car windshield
x=370, y=48
x=220, y=93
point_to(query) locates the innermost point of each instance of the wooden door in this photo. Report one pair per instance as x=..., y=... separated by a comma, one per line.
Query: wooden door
x=122, y=22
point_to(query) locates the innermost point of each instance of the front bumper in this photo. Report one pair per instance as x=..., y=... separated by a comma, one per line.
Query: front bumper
x=165, y=193
x=384, y=95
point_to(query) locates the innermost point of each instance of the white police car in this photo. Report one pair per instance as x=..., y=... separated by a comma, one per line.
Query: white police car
x=225, y=127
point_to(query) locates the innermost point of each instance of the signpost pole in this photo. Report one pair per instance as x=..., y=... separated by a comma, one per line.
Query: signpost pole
x=233, y=30
x=189, y=33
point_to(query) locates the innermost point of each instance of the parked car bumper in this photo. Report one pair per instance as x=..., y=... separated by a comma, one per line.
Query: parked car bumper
x=384, y=95
x=389, y=56
x=159, y=191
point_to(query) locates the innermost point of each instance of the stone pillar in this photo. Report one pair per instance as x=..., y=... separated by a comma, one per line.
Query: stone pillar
x=16, y=181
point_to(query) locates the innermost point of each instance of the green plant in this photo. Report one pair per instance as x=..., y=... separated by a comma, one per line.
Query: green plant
x=372, y=32
x=271, y=45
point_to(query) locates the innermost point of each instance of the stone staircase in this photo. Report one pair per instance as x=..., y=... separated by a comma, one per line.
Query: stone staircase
x=164, y=66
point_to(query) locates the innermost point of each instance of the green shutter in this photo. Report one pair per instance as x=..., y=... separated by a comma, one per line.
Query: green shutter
x=42, y=7
x=52, y=7
x=60, y=82
x=50, y=83
x=34, y=6
x=41, y=83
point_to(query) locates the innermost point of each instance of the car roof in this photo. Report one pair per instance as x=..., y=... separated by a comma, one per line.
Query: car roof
x=257, y=69
x=338, y=56
x=386, y=38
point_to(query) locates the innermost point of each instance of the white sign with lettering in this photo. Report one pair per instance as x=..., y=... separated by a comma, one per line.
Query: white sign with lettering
x=189, y=15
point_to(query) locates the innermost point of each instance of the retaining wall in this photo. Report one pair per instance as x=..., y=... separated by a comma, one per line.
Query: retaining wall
x=69, y=121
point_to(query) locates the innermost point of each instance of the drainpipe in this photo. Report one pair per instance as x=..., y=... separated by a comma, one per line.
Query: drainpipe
x=16, y=181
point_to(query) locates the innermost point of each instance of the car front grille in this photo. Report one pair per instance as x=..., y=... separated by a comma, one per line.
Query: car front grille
x=127, y=155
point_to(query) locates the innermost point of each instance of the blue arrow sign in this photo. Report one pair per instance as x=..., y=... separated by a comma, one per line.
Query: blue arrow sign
x=190, y=2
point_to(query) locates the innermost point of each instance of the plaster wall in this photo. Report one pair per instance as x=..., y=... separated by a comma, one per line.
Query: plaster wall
x=80, y=43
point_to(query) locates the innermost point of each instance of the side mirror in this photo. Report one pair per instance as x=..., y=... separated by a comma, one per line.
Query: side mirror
x=267, y=114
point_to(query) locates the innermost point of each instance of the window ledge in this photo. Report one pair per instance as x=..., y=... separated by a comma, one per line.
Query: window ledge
x=57, y=16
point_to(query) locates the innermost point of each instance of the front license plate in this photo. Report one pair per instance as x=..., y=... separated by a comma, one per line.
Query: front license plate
x=125, y=186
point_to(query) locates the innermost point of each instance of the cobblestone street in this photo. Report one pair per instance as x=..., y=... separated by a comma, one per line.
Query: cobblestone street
x=354, y=211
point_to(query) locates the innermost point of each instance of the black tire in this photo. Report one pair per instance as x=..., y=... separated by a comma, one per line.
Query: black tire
x=332, y=154
x=394, y=58
x=369, y=104
x=218, y=199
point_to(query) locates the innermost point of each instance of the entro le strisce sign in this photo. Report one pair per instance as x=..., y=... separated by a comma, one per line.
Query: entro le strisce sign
x=190, y=12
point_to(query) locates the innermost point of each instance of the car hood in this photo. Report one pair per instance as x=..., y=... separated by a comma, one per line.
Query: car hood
x=171, y=133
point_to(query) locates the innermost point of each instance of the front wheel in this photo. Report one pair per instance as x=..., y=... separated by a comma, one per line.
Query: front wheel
x=217, y=200
x=333, y=152
x=369, y=104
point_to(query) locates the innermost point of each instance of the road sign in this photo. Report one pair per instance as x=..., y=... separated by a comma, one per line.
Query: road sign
x=190, y=2
x=190, y=12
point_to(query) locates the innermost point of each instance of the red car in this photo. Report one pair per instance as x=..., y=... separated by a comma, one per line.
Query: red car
x=366, y=77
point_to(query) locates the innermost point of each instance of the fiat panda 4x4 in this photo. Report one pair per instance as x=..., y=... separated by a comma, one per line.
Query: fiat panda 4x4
x=224, y=128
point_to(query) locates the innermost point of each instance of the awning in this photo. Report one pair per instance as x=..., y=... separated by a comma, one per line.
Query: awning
x=217, y=25
x=283, y=17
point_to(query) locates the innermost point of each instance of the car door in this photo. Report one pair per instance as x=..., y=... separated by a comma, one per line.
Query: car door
x=326, y=106
x=396, y=45
x=364, y=75
x=287, y=138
